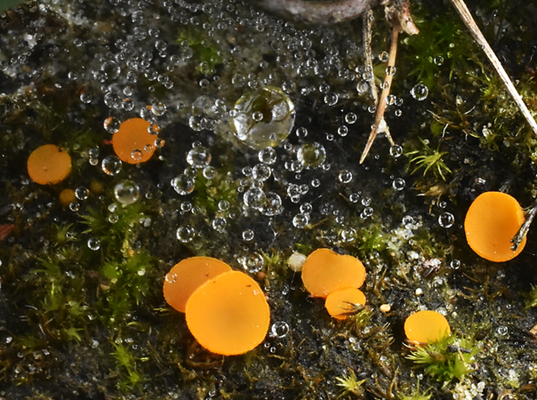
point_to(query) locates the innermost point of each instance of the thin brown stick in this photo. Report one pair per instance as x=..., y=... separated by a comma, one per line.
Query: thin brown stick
x=381, y=106
x=482, y=42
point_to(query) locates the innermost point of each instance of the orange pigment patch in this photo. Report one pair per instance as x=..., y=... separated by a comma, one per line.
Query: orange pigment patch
x=343, y=303
x=326, y=271
x=133, y=143
x=67, y=196
x=491, y=222
x=48, y=164
x=426, y=327
x=229, y=314
x=186, y=276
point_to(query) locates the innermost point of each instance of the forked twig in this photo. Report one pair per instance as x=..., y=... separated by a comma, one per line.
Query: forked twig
x=379, y=124
x=482, y=42
x=523, y=231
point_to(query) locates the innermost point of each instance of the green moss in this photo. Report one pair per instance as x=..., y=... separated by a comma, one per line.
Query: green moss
x=446, y=360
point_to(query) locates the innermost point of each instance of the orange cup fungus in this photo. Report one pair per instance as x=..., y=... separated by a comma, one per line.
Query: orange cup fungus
x=67, y=196
x=229, y=314
x=133, y=143
x=48, y=164
x=189, y=274
x=426, y=327
x=340, y=304
x=326, y=271
x=491, y=222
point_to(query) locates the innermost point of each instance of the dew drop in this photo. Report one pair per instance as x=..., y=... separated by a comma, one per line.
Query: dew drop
x=398, y=184
x=127, y=192
x=185, y=234
x=94, y=244
x=111, y=165
x=183, y=184
x=420, y=92
x=446, y=220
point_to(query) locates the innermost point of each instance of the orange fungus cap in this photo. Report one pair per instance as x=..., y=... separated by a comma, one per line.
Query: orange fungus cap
x=426, y=327
x=189, y=274
x=340, y=304
x=48, y=164
x=491, y=222
x=229, y=314
x=326, y=271
x=133, y=143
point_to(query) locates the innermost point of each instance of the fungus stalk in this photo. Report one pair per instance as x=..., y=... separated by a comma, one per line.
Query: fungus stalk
x=482, y=42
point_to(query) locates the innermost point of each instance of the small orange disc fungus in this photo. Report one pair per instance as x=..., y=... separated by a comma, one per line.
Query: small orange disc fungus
x=67, y=196
x=343, y=303
x=426, y=327
x=48, y=164
x=491, y=222
x=189, y=274
x=133, y=143
x=229, y=314
x=326, y=271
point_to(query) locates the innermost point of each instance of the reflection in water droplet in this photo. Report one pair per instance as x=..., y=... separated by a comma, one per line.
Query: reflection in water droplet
x=311, y=155
x=398, y=184
x=183, y=184
x=263, y=118
x=94, y=244
x=111, y=165
x=127, y=192
x=137, y=155
x=185, y=234
x=279, y=329
x=420, y=92
x=301, y=220
x=171, y=277
x=446, y=220
x=252, y=263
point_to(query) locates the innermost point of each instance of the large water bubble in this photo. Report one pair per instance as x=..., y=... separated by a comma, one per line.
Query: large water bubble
x=263, y=118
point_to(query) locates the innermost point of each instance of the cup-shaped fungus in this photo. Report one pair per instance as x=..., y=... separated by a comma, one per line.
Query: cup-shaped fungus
x=491, y=222
x=133, y=142
x=48, y=164
x=426, y=327
x=188, y=275
x=229, y=314
x=326, y=271
x=343, y=303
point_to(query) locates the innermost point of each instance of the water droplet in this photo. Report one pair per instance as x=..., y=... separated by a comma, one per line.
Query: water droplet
x=301, y=220
x=351, y=118
x=137, y=155
x=252, y=263
x=219, y=224
x=331, y=99
x=279, y=329
x=301, y=132
x=366, y=212
x=345, y=176
x=273, y=205
x=199, y=156
x=127, y=192
x=267, y=156
x=111, y=124
x=81, y=193
x=420, y=92
x=278, y=117
x=311, y=155
x=261, y=172
x=343, y=130
x=111, y=165
x=183, y=184
x=223, y=205
x=396, y=151
x=74, y=206
x=398, y=184
x=185, y=234
x=455, y=264
x=209, y=172
x=446, y=220
x=438, y=60
x=248, y=235
x=94, y=244
x=384, y=56
x=171, y=277
x=254, y=198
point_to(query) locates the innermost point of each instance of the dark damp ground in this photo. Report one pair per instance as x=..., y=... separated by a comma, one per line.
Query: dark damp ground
x=81, y=308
